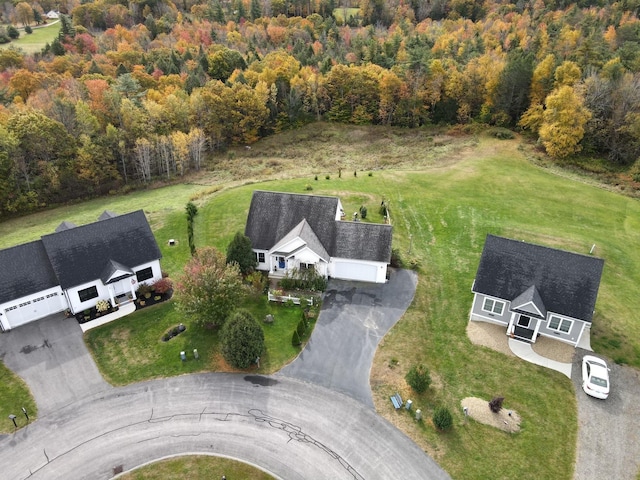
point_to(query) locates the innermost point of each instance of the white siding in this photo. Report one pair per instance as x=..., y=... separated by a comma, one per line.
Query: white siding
x=347, y=269
x=34, y=307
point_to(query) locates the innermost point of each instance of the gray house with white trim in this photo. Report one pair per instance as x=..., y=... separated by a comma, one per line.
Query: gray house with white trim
x=533, y=290
x=77, y=266
x=291, y=231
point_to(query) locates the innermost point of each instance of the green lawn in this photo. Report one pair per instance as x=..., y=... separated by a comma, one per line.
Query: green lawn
x=197, y=468
x=442, y=214
x=36, y=41
x=14, y=395
x=131, y=349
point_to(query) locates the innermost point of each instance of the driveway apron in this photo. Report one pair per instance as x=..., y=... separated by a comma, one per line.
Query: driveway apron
x=353, y=319
x=608, y=430
x=51, y=357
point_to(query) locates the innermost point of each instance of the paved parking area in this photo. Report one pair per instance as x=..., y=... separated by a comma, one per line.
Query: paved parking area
x=354, y=318
x=608, y=430
x=51, y=357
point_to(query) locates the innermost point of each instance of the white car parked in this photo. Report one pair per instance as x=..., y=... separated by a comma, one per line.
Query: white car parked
x=595, y=377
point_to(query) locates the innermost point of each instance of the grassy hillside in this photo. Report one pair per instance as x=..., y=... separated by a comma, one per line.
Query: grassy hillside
x=445, y=195
x=36, y=41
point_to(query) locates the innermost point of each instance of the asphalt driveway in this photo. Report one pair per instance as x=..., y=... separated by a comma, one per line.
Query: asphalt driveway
x=52, y=358
x=608, y=430
x=354, y=318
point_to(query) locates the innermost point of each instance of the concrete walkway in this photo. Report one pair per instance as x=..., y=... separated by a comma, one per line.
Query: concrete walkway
x=525, y=352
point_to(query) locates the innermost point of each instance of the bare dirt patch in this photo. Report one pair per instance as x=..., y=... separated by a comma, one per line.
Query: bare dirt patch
x=553, y=349
x=478, y=409
x=489, y=335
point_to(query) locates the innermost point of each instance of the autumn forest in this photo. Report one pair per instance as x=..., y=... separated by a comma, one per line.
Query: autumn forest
x=131, y=92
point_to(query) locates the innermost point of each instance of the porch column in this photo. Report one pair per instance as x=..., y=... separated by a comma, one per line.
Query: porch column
x=133, y=288
x=584, y=325
x=510, y=327
x=111, y=296
x=535, y=330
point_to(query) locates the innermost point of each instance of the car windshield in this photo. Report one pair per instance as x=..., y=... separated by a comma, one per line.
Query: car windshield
x=601, y=382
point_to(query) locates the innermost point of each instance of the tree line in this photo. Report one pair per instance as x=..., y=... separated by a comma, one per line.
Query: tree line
x=129, y=94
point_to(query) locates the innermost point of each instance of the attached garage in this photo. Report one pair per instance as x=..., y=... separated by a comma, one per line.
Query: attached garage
x=34, y=308
x=346, y=270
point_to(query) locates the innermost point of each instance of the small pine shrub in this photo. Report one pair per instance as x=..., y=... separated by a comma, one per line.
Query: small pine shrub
x=442, y=418
x=328, y=177
x=301, y=328
x=295, y=340
x=496, y=404
x=28, y=30
x=418, y=378
x=316, y=178
x=371, y=174
x=363, y=212
x=355, y=173
x=308, y=187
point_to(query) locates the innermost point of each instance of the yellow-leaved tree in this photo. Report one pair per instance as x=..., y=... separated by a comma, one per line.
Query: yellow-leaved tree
x=563, y=122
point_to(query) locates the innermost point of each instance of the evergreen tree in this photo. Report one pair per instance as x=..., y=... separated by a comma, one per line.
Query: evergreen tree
x=240, y=251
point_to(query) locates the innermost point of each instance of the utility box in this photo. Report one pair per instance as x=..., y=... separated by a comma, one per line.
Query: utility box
x=183, y=356
x=408, y=404
x=418, y=414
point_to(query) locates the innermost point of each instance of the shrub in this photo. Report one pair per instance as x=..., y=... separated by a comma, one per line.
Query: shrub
x=363, y=212
x=328, y=177
x=102, y=306
x=308, y=187
x=162, y=286
x=442, y=418
x=396, y=259
x=13, y=32
x=501, y=133
x=258, y=281
x=371, y=174
x=143, y=290
x=295, y=340
x=306, y=279
x=241, y=252
x=418, y=378
x=28, y=30
x=496, y=404
x=301, y=328
x=242, y=339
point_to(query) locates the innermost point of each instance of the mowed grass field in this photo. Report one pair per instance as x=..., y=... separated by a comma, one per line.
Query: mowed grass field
x=35, y=41
x=445, y=195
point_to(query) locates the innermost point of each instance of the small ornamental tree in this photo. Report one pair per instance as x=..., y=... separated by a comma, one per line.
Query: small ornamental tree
x=242, y=339
x=418, y=378
x=442, y=418
x=209, y=289
x=191, y=211
x=240, y=252
x=496, y=404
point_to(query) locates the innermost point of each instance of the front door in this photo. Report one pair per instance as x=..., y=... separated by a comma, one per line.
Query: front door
x=524, y=327
x=281, y=263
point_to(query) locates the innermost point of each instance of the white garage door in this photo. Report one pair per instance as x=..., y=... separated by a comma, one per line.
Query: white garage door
x=33, y=309
x=355, y=271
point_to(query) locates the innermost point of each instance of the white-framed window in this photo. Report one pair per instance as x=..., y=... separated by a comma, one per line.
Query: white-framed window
x=560, y=324
x=493, y=306
x=260, y=257
x=88, y=293
x=144, y=274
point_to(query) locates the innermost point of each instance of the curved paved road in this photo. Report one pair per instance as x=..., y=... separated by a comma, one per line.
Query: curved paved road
x=292, y=429
x=289, y=427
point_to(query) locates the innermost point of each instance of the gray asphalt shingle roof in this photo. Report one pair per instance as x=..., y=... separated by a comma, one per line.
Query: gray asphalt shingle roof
x=80, y=255
x=567, y=283
x=25, y=270
x=273, y=215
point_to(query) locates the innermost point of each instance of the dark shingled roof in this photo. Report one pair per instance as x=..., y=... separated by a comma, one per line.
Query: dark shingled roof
x=567, y=283
x=106, y=215
x=65, y=226
x=25, y=270
x=364, y=241
x=272, y=215
x=82, y=254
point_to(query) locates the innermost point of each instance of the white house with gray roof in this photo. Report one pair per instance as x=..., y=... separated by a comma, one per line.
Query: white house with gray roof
x=533, y=290
x=77, y=266
x=291, y=231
